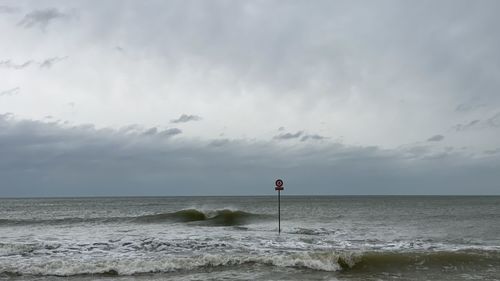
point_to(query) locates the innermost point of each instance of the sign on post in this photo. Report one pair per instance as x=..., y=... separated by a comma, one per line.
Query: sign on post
x=279, y=184
x=279, y=187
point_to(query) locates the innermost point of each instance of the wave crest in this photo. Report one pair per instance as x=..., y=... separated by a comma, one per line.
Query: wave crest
x=224, y=217
x=179, y=216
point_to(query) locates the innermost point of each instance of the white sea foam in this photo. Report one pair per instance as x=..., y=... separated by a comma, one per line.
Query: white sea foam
x=15, y=249
x=329, y=261
x=324, y=261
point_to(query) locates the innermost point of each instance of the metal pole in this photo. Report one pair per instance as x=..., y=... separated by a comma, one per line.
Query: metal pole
x=279, y=212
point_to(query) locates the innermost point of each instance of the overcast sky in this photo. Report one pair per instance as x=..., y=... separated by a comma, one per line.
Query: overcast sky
x=222, y=97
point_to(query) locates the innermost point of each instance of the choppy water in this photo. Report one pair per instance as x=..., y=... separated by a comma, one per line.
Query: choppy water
x=235, y=238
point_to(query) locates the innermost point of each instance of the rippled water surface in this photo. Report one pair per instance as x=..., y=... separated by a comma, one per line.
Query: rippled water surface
x=235, y=238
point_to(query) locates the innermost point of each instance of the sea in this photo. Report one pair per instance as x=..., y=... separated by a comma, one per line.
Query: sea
x=237, y=238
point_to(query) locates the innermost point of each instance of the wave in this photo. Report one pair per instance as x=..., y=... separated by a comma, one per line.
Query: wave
x=180, y=216
x=387, y=261
x=223, y=217
x=316, y=261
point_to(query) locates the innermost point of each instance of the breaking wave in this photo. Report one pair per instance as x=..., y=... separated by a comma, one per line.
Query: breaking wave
x=223, y=217
x=320, y=261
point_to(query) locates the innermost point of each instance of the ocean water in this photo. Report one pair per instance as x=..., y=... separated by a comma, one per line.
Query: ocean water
x=236, y=238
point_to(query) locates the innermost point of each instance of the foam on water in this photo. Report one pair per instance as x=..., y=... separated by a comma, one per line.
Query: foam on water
x=316, y=260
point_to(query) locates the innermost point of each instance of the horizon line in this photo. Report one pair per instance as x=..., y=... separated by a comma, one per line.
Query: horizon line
x=261, y=195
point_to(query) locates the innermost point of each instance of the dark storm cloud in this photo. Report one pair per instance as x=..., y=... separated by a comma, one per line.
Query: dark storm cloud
x=436, y=138
x=49, y=158
x=10, y=92
x=41, y=18
x=186, y=118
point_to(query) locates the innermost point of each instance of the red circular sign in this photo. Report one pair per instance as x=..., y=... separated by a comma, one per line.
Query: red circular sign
x=279, y=183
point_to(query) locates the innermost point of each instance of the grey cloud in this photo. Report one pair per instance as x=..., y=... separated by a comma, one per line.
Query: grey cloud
x=41, y=18
x=427, y=152
x=465, y=107
x=10, y=92
x=288, y=136
x=282, y=50
x=491, y=122
x=382, y=49
x=292, y=51
x=436, y=138
x=415, y=151
x=494, y=121
x=131, y=129
x=154, y=131
x=48, y=63
x=186, y=118
x=312, y=137
x=463, y=127
x=300, y=134
x=170, y=132
x=49, y=159
x=492, y=151
x=10, y=64
x=9, y=9
x=150, y=132
x=219, y=142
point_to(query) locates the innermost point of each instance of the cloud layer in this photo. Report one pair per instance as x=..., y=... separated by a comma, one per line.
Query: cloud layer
x=51, y=158
x=410, y=86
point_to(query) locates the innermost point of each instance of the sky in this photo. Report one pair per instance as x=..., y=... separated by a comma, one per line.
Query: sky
x=159, y=98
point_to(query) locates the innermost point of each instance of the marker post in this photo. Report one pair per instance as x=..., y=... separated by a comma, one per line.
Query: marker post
x=279, y=187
